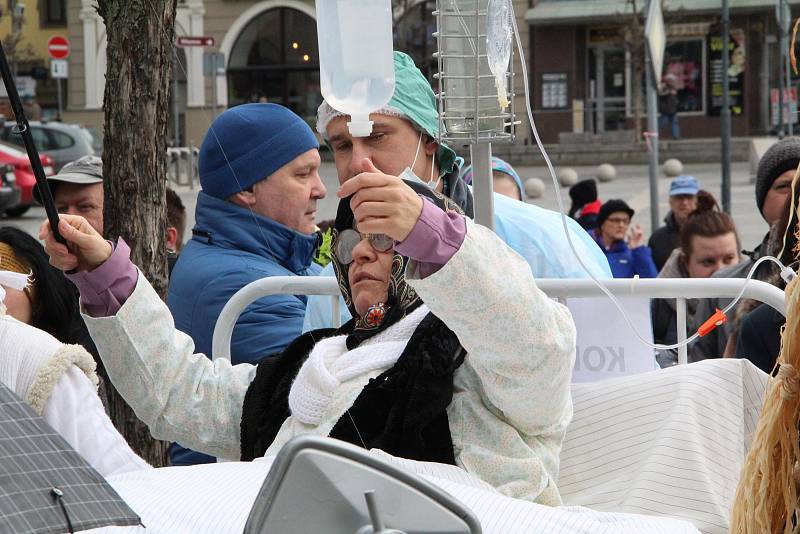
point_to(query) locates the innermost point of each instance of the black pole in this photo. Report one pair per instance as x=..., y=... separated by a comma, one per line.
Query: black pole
x=24, y=130
x=725, y=113
x=781, y=70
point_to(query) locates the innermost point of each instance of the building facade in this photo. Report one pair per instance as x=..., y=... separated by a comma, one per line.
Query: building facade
x=584, y=65
x=268, y=50
x=26, y=27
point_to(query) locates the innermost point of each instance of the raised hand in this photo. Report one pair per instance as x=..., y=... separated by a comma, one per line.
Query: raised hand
x=87, y=249
x=381, y=203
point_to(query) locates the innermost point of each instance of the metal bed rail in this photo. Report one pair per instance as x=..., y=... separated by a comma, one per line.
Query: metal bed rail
x=680, y=289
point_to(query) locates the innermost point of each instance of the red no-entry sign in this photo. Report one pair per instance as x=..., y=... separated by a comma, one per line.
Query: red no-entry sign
x=58, y=47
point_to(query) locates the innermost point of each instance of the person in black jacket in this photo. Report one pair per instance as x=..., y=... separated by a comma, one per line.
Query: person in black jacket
x=585, y=205
x=682, y=201
x=759, y=326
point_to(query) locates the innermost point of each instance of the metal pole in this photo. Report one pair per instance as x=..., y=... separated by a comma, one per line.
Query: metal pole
x=482, y=186
x=766, y=106
x=781, y=73
x=725, y=113
x=652, y=130
x=788, y=66
x=176, y=123
x=58, y=86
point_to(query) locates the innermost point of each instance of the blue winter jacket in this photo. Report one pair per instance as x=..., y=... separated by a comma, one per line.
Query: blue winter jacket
x=230, y=248
x=626, y=262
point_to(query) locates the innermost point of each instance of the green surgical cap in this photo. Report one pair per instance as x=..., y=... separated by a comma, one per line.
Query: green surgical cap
x=413, y=99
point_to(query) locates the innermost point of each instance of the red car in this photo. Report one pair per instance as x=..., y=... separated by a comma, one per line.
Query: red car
x=24, y=173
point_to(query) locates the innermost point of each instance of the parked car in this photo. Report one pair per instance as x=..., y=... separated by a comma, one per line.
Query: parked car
x=9, y=192
x=23, y=173
x=61, y=141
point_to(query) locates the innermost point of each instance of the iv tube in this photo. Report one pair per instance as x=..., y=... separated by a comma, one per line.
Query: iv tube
x=786, y=272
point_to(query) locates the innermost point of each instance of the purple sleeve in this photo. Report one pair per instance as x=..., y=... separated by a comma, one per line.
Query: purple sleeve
x=435, y=238
x=105, y=289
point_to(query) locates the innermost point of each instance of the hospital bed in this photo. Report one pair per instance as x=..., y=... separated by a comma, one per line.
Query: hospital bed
x=658, y=452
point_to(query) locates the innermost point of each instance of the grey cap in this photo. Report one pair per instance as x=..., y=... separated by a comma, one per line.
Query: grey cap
x=85, y=170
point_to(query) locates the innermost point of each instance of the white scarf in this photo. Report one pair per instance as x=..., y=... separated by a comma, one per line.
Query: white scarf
x=330, y=364
x=12, y=281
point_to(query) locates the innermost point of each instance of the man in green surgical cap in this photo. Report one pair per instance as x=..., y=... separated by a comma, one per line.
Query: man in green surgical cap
x=403, y=143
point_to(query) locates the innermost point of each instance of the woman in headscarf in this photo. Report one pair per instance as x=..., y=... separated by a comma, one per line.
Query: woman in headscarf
x=455, y=355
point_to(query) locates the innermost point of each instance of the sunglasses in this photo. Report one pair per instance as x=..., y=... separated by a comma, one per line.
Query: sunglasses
x=347, y=240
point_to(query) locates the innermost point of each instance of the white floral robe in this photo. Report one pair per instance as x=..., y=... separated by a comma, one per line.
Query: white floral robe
x=511, y=403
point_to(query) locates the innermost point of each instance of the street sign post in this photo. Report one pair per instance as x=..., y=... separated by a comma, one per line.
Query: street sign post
x=655, y=38
x=59, y=70
x=58, y=47
x=213, y=67
x=188, y=40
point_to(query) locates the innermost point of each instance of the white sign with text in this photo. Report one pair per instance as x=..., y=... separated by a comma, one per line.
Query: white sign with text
x=606, y=347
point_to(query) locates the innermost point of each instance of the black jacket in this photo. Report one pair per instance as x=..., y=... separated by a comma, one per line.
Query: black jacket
x=664, y=241
x=760, y=337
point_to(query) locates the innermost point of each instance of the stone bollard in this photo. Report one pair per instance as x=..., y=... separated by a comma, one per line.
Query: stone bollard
x=567, y=177
x=534, y=188
x=606, y=172
x=672, y=168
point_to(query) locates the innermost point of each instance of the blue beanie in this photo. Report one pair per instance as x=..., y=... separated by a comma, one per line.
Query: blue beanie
x=248, y=143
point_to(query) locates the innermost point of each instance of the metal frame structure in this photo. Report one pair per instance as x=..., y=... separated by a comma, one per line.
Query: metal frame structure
x=472, y=22
x=680, y=289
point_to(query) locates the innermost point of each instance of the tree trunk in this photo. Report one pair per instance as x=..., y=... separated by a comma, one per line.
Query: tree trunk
x=136, y=103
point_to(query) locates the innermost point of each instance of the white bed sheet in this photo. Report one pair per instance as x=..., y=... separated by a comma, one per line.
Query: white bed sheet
x=216, y=498
x=668, y=443
x=647, y=454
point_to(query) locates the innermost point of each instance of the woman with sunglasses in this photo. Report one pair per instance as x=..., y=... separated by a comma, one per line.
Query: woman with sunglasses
x=454, y=355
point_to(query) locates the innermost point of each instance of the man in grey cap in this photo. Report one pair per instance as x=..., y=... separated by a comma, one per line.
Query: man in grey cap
x=682, y=201
x=78, y=190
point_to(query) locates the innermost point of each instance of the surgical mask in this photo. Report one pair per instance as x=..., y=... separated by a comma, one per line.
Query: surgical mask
x=410, y=175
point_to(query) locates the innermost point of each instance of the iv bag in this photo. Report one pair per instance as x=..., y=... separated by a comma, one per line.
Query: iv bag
x=499, y=31
x=355, y=58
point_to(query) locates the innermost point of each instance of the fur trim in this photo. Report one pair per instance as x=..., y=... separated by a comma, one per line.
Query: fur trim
x=49, y=374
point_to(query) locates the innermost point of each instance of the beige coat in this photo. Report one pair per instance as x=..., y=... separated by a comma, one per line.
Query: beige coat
x=511, y=405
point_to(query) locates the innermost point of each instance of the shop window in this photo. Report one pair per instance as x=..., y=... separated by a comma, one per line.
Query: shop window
x=52, y=12
x=683, y=67
x=275, y=59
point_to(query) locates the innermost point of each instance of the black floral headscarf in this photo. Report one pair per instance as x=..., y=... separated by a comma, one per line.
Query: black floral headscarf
x=402, y=299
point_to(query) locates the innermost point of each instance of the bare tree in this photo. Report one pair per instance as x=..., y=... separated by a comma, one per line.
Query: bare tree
x=12, y=43
x=139, y=52
x=632, y=32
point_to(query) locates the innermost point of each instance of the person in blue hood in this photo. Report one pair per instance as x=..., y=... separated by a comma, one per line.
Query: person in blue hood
x=255, y=218
x=623, y=244
x=404, y=143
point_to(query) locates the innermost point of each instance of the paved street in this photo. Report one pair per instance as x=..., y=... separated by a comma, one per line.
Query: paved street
x=631, y=185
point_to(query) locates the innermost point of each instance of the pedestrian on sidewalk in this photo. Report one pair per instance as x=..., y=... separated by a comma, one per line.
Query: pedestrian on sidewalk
x=682, y=201
x=623, y=244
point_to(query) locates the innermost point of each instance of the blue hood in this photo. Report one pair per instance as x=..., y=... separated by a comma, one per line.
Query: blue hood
x=229, y=226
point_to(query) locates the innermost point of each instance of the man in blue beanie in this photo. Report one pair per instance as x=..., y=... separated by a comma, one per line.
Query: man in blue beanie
x=259, y=172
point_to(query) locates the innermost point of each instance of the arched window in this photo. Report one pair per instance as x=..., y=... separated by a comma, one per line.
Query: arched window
x=413, y=34
x=275, y=59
